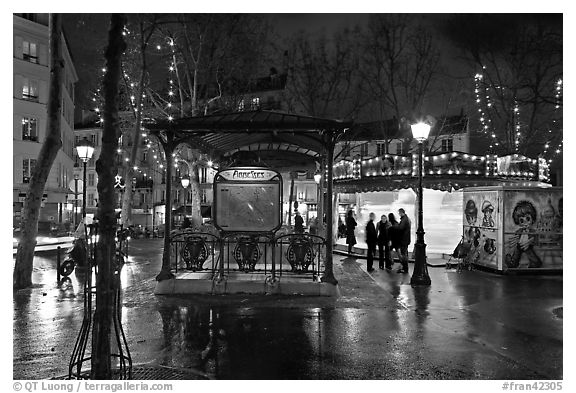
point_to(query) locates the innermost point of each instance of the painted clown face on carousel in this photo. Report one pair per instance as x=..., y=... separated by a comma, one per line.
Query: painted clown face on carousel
x=471, y=212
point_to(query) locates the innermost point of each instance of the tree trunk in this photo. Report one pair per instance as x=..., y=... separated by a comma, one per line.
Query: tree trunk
x=107, y=169
x=196, y=212
x=126, y=215
x=22, y=277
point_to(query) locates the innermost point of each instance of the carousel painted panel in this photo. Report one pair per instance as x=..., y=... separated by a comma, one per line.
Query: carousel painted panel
x=481, y=227
x=533, y=229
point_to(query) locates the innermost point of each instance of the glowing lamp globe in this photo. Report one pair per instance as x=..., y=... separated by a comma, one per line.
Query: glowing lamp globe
x=317, y=178
x=420, y=131
x=85, y=149
x=185, y=181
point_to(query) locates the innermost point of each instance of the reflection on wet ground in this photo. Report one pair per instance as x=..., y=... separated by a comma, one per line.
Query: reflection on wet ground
x=473, y=325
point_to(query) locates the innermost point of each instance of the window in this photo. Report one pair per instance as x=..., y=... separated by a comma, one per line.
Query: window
x=203, y=173
x=90, y=200
x=346, y=150
x=91, y=179
x=203, y=197
x=77, y=139
x=364, y=149
x=380, y=149
x=399, y=148
x=28, y=165
x=29, y=52
x=145, y=156
x=94, y=139
x=29, y=89
x=92, y=161
x=29, y=129
x=447, y=145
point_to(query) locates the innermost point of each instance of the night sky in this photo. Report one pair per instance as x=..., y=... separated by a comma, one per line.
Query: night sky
x=87, y=36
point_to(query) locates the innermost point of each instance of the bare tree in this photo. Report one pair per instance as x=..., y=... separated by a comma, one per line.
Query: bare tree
x=144, y=31
x=399, y=63
x=22, y=277
x=518, y=66
x=323, y=75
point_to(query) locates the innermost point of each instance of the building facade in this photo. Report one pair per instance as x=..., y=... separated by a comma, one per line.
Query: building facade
x=30, y=97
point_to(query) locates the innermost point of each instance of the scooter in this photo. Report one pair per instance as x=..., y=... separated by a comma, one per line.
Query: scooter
x=77, y=255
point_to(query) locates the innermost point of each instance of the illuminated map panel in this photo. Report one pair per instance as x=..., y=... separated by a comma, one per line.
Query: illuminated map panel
x=247, y=207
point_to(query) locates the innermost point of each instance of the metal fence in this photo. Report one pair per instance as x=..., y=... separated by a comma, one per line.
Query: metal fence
x=296, y=255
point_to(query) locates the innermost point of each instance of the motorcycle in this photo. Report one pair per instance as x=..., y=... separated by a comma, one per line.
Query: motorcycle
x=77, y=255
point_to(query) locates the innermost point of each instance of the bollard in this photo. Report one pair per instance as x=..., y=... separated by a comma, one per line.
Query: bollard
x=58, y=264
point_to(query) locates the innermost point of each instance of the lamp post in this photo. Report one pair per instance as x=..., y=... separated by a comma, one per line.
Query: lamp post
x=185, y=183
x=85, y=149
x=319, y=203
x=420, y=275
x=76, y=177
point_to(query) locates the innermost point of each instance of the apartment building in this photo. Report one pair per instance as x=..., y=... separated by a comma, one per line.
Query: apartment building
x=31, y=82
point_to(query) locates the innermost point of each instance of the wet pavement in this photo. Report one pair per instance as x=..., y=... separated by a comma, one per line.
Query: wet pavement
x=469, y=325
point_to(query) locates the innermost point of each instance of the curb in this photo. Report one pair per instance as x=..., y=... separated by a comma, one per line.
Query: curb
x=362, y=256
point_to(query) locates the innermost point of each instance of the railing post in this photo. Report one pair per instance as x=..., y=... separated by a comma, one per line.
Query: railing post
x=274, y=245
x=58, y=264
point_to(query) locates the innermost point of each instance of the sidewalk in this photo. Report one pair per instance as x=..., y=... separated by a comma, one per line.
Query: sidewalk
x=469, y=325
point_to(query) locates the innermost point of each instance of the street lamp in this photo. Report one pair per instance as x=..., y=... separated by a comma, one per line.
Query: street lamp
x=185, y=183
x=76, y=177
x=420, y=275
x=319, y=203
x=85, y=149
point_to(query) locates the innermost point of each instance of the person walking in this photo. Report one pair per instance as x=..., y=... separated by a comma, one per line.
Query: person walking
x=350, y=227
x=404, y=229
x=371, y=241
x=298, y=223
x=394, y=236
x=382, y=228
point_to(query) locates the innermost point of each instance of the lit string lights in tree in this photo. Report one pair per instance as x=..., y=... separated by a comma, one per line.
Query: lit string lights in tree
x=171, y=87
x=154, y=161
x=482, y=96
x=557, y=114
x=517, y=133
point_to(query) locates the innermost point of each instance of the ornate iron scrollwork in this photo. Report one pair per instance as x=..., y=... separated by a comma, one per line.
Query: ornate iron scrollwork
x=300, y=253
x=247, y=253
x=194, y=253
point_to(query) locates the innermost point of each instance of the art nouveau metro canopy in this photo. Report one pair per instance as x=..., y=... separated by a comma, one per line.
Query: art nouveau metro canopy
x=260, y=130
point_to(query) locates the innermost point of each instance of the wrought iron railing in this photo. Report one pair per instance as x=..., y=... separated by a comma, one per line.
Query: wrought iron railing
x=194, y=250
x=296, y=255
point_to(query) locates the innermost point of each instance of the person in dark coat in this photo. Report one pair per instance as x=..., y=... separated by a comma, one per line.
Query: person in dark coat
x=382, y=228
x=350, y=227
x=394, y=236
x=404, y=229
x=371, y=241
x=298, y=223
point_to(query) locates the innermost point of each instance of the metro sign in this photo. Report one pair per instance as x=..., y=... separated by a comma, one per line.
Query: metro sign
x=248, y=174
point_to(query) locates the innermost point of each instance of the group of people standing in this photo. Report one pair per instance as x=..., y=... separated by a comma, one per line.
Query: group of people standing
x=388, y=234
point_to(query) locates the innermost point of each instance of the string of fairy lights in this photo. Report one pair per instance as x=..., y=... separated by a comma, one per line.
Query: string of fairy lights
x=558, y=95
x=485, y=105
x=142, y=166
